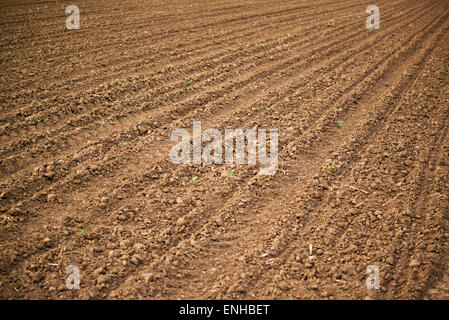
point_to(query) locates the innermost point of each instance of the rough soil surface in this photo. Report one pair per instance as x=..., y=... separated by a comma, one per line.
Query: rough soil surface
x=86, y=178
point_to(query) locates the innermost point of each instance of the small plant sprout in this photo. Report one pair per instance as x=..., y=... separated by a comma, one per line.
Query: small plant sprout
x=194, y=178
x=146, y=79
x=16, y=62
x=190, y=81
x=331, y=167
x=38, y=121
x=340, y=124
x=8, y=228
x=247, y=52
x=123, y=143
x=215, y=74
x=13, y=176
x=125, y=83
x=158, y=12
x=231, y=173
x=81, y=232
x=8, y=124
x=204, y=72
x=126, y=120
x=184, y=69
x=169, y=65
x=218, y=147
x=260, y=44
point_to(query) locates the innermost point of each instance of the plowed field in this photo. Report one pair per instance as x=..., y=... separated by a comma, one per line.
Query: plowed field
x=86, y=177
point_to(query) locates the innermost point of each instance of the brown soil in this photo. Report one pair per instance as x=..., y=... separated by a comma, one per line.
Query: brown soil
x=137, y=226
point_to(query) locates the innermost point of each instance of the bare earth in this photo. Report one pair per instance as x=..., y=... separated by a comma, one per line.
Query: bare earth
x=86, y=178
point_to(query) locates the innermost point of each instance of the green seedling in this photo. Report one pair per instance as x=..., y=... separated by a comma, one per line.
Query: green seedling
x=123, y=143
x=16, y=62
x=126, y=120
x=158, y=12
x=184, y=69
x=261, y=44
x=247, y=52
x=340, y=124
x=8, y=228
x=331, y=167
x=218, y=147
x=124, y=83
x=13, y=176
x=194, y=178
x=169, y=65
x=204, y=72
x=231, y=173
x=238, y=59
x=81, y=232
x=38, y=121
x=190, y=81
x=149, y=87
x=215, y=74
x=146, y=79
x=8, y=124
